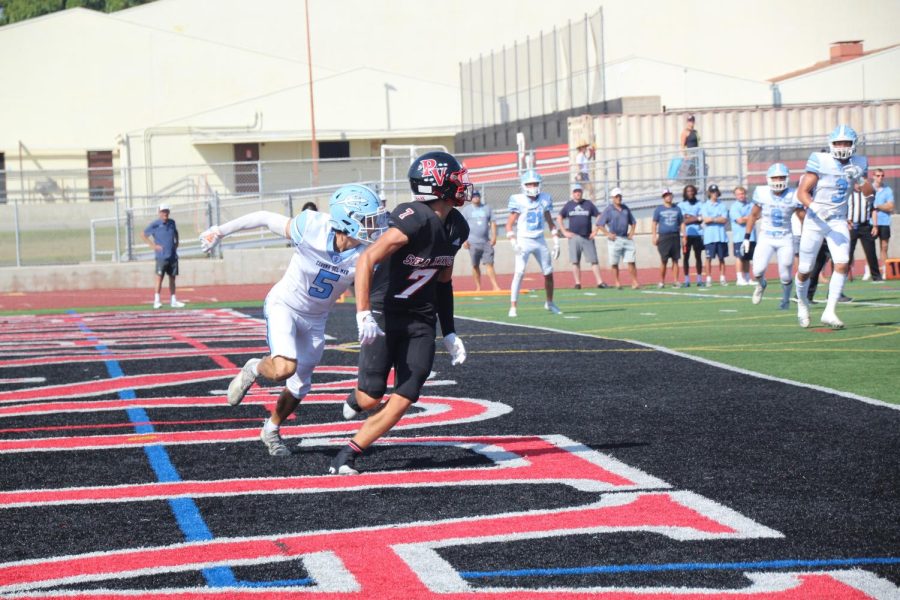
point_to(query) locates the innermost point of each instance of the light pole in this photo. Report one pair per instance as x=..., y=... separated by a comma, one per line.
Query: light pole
x=388, y=88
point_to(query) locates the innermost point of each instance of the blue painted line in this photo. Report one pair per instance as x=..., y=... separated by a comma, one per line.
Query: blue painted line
x=648, y=568
x=276, y=583
x=186, y=512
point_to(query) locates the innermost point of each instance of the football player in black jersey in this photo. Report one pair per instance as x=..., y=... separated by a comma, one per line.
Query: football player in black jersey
x=399, y=303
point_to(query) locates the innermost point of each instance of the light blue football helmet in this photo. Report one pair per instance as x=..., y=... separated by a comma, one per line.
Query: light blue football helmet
x=531, y=177
x=843, y=133
x=778, y=170
x=356, y=211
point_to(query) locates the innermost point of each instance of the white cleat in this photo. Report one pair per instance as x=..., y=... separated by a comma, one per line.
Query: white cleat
x=803, y=314
x=177, y=304
x=238, y=387
x=552, y=308
x=513, y=312
x=723, y=282
x=830, y=319
x=157, y=304
x=758, y=292
x=349, y=412
x=274, y=443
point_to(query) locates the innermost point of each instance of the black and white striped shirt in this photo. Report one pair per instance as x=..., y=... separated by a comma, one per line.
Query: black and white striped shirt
x=859, y=207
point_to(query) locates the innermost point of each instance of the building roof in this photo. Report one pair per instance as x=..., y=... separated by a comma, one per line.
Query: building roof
x=832, y=61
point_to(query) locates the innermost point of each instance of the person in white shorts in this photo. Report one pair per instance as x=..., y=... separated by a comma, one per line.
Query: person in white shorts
x=326, y=248
x=774, y=206
x=824, y=191
x=528, y=212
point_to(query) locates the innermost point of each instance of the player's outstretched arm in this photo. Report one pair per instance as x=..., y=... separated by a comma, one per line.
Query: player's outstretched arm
x=277, y=224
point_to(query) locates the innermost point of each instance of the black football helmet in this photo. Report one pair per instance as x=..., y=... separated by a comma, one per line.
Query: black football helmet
x=439, y=176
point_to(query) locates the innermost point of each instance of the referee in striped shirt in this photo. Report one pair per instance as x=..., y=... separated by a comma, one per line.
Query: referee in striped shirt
x=860, y=217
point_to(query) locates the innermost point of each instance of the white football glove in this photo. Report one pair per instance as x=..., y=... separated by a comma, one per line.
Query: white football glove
x=455, y=347
x=554, y=254
x=854, y=173
x=368, y=328
x=516, y=249
x=745, y=247
x=209, y=239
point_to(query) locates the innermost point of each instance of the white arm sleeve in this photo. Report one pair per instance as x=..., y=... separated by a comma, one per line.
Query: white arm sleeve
x=276, y=223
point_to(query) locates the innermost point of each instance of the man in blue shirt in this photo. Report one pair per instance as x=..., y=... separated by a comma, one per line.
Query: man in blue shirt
x=882, y=210
x=618, y=224
x=482, y=239
x=692, y=235
x=668, y=223
x=162, y=236
x=739, y=213
x=715, y=239
x=580, y=233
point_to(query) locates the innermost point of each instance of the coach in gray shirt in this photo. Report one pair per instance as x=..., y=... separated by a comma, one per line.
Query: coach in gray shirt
x=618, y=224
x=482, y=238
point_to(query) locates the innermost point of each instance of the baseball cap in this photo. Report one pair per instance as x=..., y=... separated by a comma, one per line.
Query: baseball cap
x=690, y=117
x=666, y=192
x=476, y=193
x=713, y=188
x=615, y=192
x=163, y=207
x=577, y=187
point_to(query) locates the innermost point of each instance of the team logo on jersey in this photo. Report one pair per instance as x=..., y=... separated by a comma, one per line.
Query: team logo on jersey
x=430, y=168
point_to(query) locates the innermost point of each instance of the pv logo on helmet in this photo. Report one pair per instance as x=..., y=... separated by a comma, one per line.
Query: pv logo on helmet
x=430, y=169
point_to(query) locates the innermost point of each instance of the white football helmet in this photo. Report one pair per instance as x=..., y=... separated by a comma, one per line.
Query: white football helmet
x=531, y=183
x=842, y=133
x=778, y=170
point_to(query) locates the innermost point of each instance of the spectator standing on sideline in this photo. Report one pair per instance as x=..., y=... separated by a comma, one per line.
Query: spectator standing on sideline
x=739, y=214
x=581, y=214
x=884, y=208
x=715, y=238
x=482, y=239
x=690, y=140
x=668, y=223
x=162, y=236
x=693, y=234
x=618, y=224
x=861, y=229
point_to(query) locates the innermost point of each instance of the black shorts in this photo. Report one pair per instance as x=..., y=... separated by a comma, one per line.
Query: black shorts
x=693, y=243
x=407, y=346
x=167, y=266
x=669, y=246
x=884, y=232
x=736, y=246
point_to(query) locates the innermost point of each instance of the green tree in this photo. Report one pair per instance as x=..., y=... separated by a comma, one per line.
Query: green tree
x=13, y=11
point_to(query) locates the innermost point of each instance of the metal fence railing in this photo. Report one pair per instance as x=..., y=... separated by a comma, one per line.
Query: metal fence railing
x=67, y=227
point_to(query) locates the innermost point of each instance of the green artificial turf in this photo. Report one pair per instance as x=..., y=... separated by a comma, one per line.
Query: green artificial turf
x=721, y=324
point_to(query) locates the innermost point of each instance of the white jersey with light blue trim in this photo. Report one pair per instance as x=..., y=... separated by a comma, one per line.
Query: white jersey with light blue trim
x=317, y=274
x=530, y=223
x=831, y=193
x=777, y=210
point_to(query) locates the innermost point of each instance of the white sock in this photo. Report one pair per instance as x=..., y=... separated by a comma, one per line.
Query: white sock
x=514, y=288
x=802, y=290
x=835, y=288
x=156, y=297
x=174, y=300
x=269, y=427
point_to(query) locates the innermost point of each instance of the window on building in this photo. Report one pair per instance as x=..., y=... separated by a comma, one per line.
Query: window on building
x=334, y=150
x=100, y=175
x=246, y=168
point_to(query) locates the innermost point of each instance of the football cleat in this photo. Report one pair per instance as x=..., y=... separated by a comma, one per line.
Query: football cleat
x=803, y=314
x=831, y=319
x=238, y=387
x=157, y=304
x=552, y=308
x=513, y=312
x=344, y=463
x=177, y=304
x=274, y=443
x=758, y=291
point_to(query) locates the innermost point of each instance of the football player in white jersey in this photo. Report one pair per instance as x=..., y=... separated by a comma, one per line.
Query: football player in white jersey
x=824, y=191
x=326, y=248
x=773, y=206
x=528, y=212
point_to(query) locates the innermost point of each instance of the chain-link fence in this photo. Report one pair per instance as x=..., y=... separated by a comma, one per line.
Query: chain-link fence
x=66, y=228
